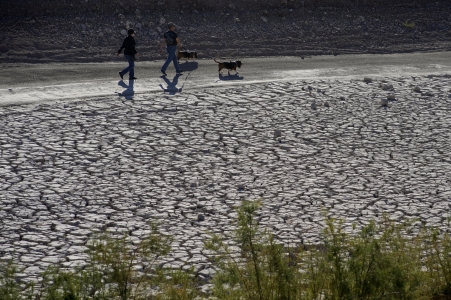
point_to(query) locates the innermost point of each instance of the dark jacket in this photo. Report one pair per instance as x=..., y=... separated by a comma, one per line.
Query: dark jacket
x=129, y=46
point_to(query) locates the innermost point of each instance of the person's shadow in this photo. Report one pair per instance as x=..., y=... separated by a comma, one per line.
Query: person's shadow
x=172, y=88
x=129, y=92
x=230, y=77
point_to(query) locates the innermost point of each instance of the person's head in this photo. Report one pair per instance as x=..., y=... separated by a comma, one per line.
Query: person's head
x=171, y=26
x=131, y=32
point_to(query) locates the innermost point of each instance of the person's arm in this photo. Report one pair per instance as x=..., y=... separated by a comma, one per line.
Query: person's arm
x=120, y=49
x=134, y=49
x=178, y=42
x=163, y=41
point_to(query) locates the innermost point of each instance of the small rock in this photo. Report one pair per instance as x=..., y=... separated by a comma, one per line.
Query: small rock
x=162, y=21
x=391, y=97
x=124, y=32
x=417, y=89
x=384, y=102
x=326, y=104
x=313, y=105
x=138, y=25
x=207, y=272
x=277, y=133
x=387, y=87
x=367, y=79
x=200, y=218
x=264, y=19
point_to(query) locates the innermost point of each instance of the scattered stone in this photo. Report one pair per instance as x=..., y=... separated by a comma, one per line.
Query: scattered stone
x=162, y=21
x=387, y=87
x=391, y=97
x=264, y=19
x=384, y=102
x=124, y=32
x=417, y=89
x=277, y=133
x=200, y=218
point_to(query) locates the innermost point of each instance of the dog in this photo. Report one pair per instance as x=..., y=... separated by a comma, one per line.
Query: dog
x=186, y=54
x=229, y=65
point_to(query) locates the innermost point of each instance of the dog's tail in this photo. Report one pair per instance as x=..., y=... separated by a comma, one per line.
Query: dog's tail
x=218, y=62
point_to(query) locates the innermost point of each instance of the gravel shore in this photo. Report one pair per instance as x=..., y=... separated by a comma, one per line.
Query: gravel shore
x=355, y=148
x=96, y=34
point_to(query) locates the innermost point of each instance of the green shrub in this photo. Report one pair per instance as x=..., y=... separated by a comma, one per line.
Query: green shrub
x=438, y=264
x=409, y=25
x=377, y=263
x=10, y=288
x=258, y=267
x=380, y=261
x=116, y=268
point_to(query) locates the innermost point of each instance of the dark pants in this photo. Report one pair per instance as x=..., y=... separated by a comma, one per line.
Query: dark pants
x=172, y=56
x=131, y=66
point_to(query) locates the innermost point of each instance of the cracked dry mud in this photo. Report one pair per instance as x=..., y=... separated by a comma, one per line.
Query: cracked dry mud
x=187, y=160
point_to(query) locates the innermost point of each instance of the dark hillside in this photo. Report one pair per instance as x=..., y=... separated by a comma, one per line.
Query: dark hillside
x=92, y=30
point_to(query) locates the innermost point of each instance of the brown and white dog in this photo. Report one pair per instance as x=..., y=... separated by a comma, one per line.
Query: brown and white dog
x=232, y=65
x=186, y=54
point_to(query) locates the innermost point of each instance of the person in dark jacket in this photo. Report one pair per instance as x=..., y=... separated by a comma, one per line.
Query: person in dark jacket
x=129, y=53
x=171, y=40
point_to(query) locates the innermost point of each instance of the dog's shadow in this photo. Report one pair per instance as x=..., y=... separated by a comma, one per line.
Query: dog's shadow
x=129, y=92
x=230, y=77
x=189, y=65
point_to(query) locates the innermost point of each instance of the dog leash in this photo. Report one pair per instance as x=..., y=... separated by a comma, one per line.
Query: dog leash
x=185, y=80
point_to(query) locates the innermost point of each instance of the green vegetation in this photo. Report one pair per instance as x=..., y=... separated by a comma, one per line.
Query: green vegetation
x=379, y=261
x=10, y=288
x=407, y=24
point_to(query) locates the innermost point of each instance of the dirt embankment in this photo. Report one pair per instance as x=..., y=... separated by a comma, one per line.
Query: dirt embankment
x=92, y=30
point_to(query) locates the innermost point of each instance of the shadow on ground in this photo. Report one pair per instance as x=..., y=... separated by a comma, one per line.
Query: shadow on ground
x=172, y=88
x=189, y=66
x=230, y=77
x=129, y=92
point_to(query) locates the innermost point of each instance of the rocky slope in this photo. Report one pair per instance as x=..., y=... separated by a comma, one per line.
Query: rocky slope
x=93, y=30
